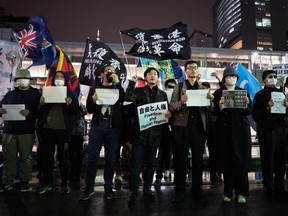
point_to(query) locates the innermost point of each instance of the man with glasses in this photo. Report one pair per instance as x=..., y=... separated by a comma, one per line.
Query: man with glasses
x=190, y=131
x=271, y=135
x=105, y=130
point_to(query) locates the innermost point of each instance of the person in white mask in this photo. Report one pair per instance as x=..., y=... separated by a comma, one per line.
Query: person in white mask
x=18, y=136
x=55, y=125
x=271, y=135
x=233, y=142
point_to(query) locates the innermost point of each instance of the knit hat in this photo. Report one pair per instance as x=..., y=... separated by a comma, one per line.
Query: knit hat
x=229, y=71
x=23, y=73
x=266, y=73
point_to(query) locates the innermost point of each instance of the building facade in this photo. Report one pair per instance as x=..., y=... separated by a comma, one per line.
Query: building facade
x=250, y=24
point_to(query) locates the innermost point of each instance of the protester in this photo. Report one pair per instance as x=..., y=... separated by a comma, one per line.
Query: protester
x=55, y=126
x=18, y=136
x=190, y=131
x=211, y=142
x=76, y=146
x=233, y=140
x=271, y=135
x=165, y=148
x=145, y=142
x=105, y=130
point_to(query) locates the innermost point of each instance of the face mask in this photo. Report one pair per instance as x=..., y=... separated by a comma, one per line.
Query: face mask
x=230, y=81
x=23, y=83
x=272, y=82
x=58, y=82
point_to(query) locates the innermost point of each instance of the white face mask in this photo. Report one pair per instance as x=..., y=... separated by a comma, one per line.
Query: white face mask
x=230, y=81
x=58, y=82
x=23, y=83
x=272, y=82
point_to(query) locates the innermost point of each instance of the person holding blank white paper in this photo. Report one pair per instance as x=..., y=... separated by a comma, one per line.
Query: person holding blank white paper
x=18, y=135
x=55, y=128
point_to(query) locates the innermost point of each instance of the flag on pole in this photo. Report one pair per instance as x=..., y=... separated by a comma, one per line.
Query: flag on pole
x=160, y=44
x=247, y=81
x=10, y=62
x=64, y=65
x=36, y=42
x=96, y=56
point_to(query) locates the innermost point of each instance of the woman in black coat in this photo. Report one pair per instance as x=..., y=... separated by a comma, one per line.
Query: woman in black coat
x=233, y=140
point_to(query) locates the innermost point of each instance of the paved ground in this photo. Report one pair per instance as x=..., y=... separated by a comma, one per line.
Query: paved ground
x=52, y=203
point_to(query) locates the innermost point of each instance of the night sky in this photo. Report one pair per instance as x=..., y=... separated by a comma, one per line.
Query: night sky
x=74, y=20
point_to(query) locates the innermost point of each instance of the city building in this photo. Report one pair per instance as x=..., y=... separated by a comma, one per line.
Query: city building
x=250, y=24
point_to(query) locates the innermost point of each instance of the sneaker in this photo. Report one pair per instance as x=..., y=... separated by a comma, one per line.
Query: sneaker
x=43, y=189
x=241, y=199
x=87, y=193
x=25, y=187
x=109, y=194
x=226, y=199
x=118, y=182
x=6, y=187
x=64, y=190
x=167, y=174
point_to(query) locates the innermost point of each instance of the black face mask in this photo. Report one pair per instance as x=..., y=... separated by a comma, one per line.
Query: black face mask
x=108, y=77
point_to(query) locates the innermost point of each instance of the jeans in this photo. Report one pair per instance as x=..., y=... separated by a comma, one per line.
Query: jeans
x=97, y=137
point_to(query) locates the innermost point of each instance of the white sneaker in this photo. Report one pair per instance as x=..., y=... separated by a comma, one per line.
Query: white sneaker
x=226, y=199
x=241, y=199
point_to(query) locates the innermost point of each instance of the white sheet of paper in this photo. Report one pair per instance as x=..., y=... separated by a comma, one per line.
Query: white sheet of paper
x=107, y=96
x=197, y=97
x=206, y=74
x=169, y=94
x=13, y=112
x=278, y=98
x=54, y=94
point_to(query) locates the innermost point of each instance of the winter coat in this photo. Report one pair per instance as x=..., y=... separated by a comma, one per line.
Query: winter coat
x=31, y=99
x=139, y=97
x=233, y=144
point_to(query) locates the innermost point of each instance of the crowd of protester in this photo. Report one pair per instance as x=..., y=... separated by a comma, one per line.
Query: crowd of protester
x=225, y=129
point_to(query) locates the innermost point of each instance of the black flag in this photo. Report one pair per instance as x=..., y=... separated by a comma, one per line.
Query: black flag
x=96, y=56
x=160, y=44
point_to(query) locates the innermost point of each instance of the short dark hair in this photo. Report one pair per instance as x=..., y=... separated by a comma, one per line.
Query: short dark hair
x=150, y=69
x=190, y=62
x=169, y=81
x=206, y=84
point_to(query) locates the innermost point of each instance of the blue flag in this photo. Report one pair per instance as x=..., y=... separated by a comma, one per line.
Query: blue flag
x=247, y=81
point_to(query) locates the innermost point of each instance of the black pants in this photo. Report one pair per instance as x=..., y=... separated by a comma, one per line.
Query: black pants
x=164, y=151
x=76, y=156
x=192, y=136
x=272, y=152
x=142, y=154
x=237, y=182
x=50, y=139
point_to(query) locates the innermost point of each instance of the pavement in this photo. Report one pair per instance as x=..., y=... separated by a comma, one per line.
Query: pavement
x=54, y=204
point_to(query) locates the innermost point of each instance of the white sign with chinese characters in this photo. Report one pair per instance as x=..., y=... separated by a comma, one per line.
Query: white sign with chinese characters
x=152, y=114
x=278, y=98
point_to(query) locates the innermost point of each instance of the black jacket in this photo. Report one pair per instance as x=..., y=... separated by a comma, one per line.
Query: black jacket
x=140, y=96
x=264, y=118
x=93, y=108
x=30, y=98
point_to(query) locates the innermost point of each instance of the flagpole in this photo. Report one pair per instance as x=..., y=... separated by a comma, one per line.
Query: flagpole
x=125, y=53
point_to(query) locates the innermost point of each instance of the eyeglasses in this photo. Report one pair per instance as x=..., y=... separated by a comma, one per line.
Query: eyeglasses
x=272, y=76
